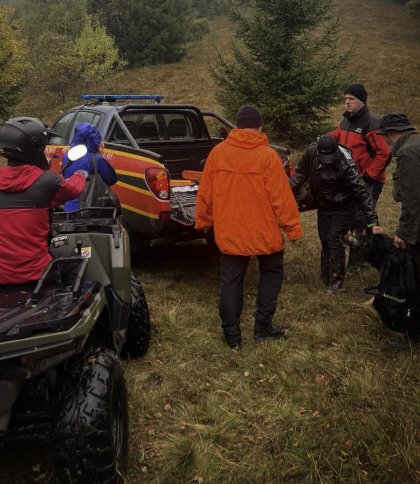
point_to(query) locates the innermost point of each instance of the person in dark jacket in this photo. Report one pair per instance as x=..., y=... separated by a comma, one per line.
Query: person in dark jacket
x=86, y=134
x=28, y=191
x=357, y=131
x=335, y=186
x=405, y=143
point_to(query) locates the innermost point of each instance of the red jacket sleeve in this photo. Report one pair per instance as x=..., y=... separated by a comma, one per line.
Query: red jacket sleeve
x=381, y=157
x=335, y=134
x=69, y=188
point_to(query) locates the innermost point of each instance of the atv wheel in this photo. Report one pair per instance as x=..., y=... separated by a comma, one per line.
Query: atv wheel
x=139, y=330
x=90, y=428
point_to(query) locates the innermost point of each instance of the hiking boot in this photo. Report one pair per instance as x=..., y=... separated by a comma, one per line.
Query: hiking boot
x=233, y=340
x=235, y=345
x=273, y=331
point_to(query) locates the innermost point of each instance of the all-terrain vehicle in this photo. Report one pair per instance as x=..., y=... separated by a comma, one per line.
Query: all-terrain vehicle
x=60, y=343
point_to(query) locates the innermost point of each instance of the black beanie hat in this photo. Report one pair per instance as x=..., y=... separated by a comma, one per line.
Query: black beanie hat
x=357, y=90
x=249, y=117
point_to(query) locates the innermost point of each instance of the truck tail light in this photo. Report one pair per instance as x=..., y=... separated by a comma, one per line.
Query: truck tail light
x=157, y=179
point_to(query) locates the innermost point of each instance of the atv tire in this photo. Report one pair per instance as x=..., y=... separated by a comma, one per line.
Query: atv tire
x=139, y=329
x=90, y=427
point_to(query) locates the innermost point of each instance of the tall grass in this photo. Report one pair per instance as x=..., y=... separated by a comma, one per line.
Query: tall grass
x=338, y=401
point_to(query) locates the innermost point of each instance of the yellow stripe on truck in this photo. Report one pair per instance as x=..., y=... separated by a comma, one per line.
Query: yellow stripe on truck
x=134, y=157
x=130, y=173
x=134, y=189
x=141, y=212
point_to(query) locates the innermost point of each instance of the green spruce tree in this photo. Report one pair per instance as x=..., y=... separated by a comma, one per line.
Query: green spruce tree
x=148, y=31
x=286, y=61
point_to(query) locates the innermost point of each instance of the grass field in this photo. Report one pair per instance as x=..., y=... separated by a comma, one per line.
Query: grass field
x=338, y=401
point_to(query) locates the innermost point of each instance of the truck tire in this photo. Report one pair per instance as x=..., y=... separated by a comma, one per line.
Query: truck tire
x=90, y=426
x=139, y=328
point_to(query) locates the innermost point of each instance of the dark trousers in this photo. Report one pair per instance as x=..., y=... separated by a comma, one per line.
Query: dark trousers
x=360, y=222
x=232, y=274
x=332, y=227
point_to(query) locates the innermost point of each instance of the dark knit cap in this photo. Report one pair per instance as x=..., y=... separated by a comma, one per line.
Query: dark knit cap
x=249, y=117
x=357, y=90
x=394, y=122
x=327, y=148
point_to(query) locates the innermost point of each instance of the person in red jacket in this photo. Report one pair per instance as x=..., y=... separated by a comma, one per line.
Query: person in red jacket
x=358, y=132
x=28, y=191
x=245, y=196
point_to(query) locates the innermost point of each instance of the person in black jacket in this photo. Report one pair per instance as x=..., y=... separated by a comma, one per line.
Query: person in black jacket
x=335, y=185
x=405, y=143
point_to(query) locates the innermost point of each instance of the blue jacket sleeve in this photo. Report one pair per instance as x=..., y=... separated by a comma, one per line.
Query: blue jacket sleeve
x=106, y=171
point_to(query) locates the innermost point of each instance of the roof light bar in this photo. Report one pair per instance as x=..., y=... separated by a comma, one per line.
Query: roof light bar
x=115, y=97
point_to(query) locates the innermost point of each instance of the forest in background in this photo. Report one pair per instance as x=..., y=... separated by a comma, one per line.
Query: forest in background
x=286, y=56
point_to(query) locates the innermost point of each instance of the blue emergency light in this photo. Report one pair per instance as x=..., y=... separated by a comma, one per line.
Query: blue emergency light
x=115, y=97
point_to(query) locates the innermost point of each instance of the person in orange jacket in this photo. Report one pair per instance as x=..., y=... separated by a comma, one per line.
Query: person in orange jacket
x=245, y=196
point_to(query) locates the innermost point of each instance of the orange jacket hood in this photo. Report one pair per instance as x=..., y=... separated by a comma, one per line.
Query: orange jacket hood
x=247, y=138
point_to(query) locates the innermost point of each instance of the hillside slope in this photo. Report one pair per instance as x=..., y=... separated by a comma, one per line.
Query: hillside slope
x=384, y=40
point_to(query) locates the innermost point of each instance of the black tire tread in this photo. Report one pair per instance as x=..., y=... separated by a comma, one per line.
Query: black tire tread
x=139, y=327
x=82, y=441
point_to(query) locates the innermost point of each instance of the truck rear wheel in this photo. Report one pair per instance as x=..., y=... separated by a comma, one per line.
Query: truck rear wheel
x=139, y=328
x=90, y=427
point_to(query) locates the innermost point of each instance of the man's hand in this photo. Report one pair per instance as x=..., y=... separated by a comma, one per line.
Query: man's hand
x=377, y=230
x=399, y=243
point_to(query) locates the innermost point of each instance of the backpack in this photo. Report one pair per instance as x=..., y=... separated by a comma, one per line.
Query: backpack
x=97, y=194
x=396, y=298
